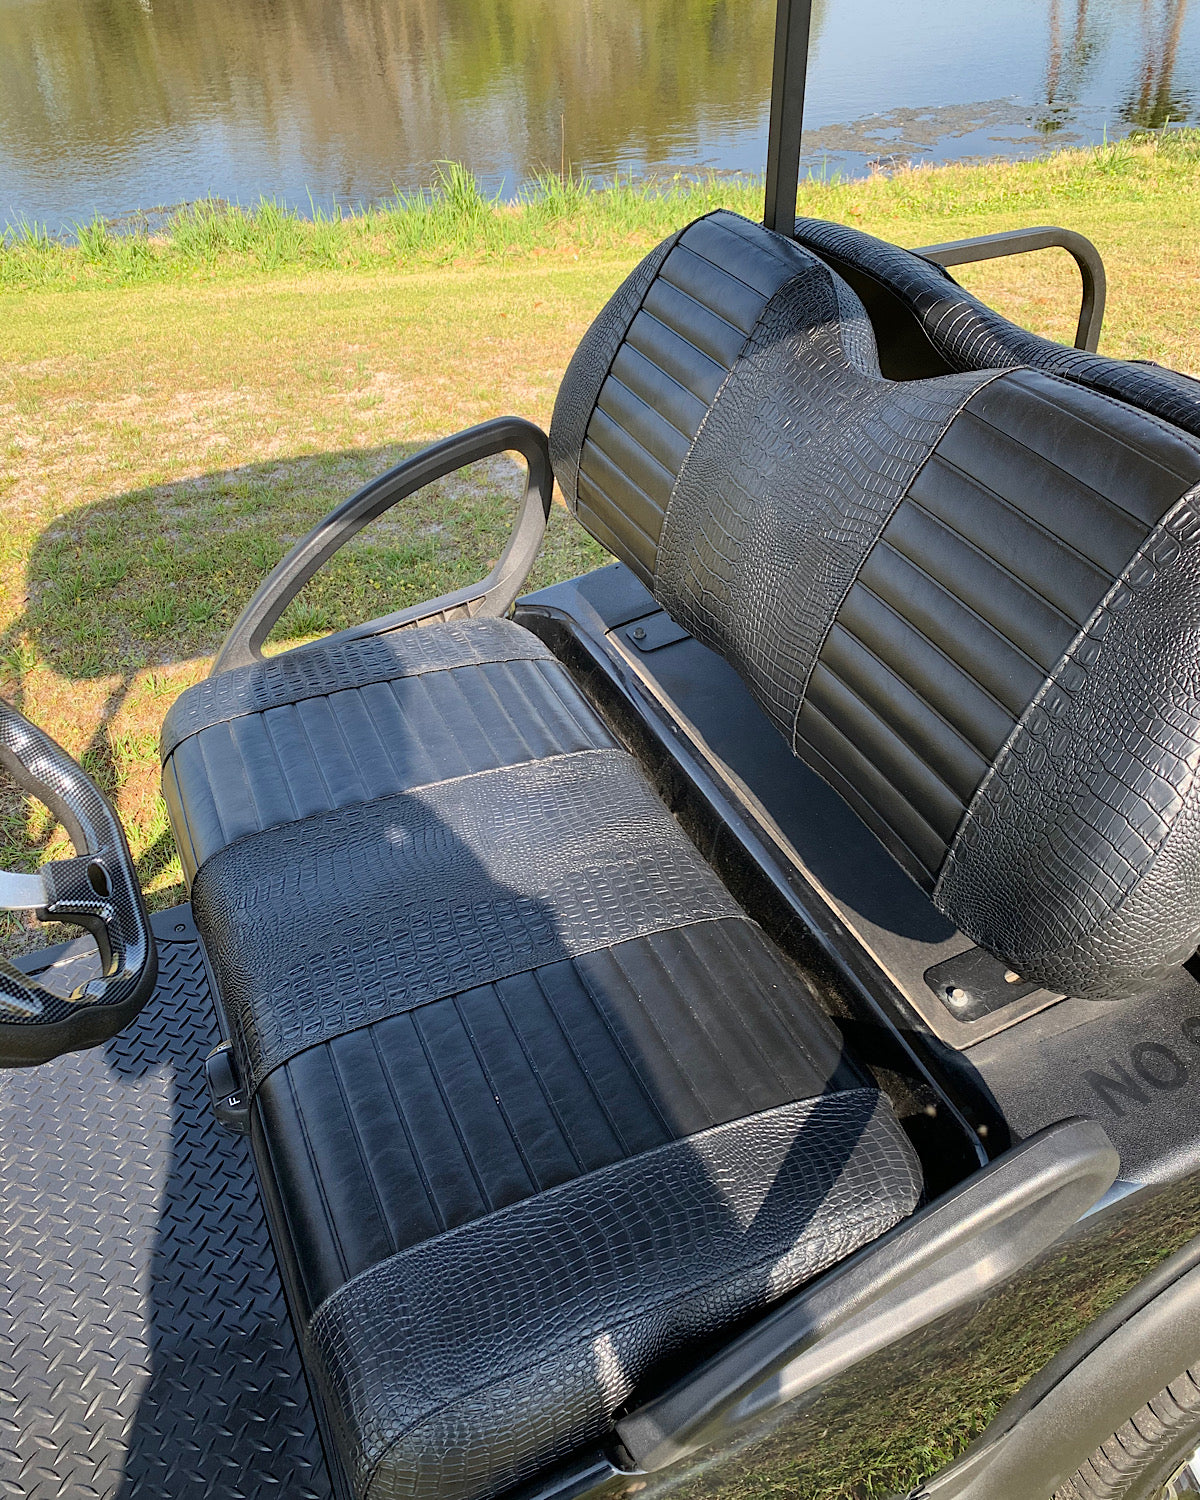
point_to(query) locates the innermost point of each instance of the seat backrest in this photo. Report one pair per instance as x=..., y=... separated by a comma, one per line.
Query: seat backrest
x=970, y=602
x=929, y=325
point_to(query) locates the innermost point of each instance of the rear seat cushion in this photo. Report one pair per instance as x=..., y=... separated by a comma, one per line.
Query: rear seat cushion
x=536, y=1107
x=926, y=584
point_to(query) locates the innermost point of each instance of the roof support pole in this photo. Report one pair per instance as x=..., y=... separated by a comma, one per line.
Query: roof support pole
x=792, y=21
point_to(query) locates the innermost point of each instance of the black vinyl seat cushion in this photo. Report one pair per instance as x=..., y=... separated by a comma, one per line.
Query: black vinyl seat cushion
x=537, y=1109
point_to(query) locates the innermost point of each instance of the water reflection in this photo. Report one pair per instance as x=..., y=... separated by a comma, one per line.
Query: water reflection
x=110, y=105
x=1157, y=100
x=1078, y=40
x=160, y=102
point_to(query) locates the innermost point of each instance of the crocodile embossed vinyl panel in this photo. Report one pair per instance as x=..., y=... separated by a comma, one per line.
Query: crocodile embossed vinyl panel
x=797, y=469
x=1079, y=858
x=469, y=1363
x=259, y=770
x=970, y=336
x=1027, y=512
x=318, y=927
x=422, y=1122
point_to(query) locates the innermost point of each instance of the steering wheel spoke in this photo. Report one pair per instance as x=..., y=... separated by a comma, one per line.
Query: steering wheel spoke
x=21, y=892
x=97, y=889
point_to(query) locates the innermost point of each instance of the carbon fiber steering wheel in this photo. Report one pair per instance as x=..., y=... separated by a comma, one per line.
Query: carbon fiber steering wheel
x=97, y=890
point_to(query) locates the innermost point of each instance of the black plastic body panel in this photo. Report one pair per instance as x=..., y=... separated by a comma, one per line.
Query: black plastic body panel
x=805, y=865
x=955, y=1250
x=1113, y=1368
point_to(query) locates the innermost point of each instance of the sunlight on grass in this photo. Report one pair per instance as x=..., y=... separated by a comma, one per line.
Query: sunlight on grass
x=177, y=411
x=453, y=220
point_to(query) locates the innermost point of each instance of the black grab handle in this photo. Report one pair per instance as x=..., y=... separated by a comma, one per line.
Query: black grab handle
x=1021, y=242
x=493, y=595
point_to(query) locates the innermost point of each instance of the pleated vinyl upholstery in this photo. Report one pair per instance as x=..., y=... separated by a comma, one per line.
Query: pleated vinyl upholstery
x=962, y=333
x=907, y=573
x=536, y=1107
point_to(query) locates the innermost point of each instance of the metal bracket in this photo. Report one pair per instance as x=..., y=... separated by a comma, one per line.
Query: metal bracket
x=230, y=1103
x=1023, y=242
x=974, y=983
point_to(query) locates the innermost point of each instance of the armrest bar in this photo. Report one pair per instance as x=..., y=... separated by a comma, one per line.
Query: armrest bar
x=1021, y=242
x=493, y=595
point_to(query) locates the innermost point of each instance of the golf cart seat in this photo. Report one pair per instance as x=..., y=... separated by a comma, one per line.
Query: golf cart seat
x=927, y=324
x=540, y=1113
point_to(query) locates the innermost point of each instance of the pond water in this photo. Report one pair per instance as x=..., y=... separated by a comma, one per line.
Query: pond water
x=112, y=106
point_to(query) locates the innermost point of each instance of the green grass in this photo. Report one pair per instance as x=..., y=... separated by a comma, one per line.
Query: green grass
x=454, y=220
x=175, y=411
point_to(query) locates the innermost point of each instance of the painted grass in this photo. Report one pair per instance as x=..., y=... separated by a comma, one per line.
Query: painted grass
x=175, y=412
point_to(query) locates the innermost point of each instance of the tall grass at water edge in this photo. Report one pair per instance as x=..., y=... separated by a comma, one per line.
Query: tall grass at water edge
x=454, y=220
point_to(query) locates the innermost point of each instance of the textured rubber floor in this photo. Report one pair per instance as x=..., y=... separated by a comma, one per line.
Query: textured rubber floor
x=145, y=1351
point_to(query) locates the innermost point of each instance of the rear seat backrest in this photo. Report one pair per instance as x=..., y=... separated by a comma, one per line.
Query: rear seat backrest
x=969, y=602
x=935, y=326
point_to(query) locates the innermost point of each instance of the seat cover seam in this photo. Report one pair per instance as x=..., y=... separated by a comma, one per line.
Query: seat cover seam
x=581, y=1064
x=858, y=1177
x=1120, y=921
x=1109, y=436
x=910, y=687
x=964, y=605
x=600, y=945
x=813, y=708
x=841, y=1098
x=402, y=1119
x=310, y=1155
x=498, y=1097
x=439, y=1084
x=535, y=1072
x=651, y=1021
x=889, y=728
x=351, y=1116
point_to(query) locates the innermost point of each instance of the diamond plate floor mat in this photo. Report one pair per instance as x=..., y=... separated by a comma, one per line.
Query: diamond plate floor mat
x=145, y=1351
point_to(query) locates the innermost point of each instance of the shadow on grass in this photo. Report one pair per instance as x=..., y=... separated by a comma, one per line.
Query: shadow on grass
x=127, y=598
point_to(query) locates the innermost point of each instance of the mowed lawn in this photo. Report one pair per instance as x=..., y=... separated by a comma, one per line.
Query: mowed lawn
x=169, y=427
